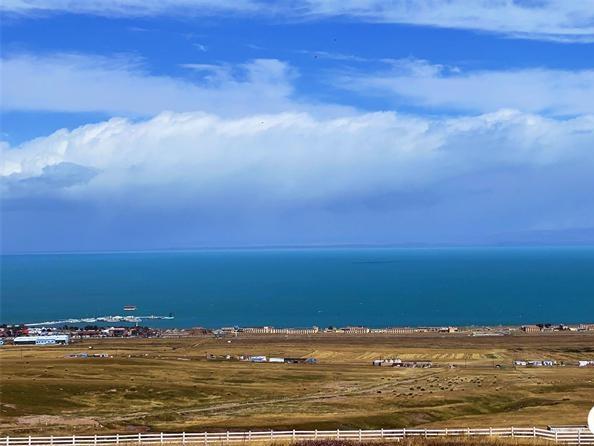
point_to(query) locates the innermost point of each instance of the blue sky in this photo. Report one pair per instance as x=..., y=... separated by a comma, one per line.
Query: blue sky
x=186, y=123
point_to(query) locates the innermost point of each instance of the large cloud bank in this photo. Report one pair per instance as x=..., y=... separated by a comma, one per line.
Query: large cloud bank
x=243, y=159
x=295, y=156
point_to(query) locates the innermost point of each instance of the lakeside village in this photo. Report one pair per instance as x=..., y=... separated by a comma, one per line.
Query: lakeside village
x=34, y=335
x=39, y=334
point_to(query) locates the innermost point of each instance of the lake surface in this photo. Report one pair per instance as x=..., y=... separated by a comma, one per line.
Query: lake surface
x=304, y=287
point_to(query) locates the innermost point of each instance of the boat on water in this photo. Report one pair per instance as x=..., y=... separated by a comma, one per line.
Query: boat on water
x=129, y=307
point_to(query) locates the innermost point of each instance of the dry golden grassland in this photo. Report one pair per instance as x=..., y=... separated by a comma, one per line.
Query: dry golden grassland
x=167, y=384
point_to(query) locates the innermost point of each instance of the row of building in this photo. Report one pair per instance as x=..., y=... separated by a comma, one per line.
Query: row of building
x=93, y=331
x=551, y=363
x=401, y=363
x=261, y=358
x=538, y=328
x=406, y=330
x=535, y=363
x=345, y=330
x=64, y=335
x=389, y=362
x=85, y=355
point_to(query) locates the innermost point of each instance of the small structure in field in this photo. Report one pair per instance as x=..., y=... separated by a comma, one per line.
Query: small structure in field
x=534, y=363
x=386, y=362
x=414, y=364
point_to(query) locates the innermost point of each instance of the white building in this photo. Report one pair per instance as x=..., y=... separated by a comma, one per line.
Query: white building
x=41, y=340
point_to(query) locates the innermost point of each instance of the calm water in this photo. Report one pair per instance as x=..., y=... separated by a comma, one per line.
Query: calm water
x=375, y=287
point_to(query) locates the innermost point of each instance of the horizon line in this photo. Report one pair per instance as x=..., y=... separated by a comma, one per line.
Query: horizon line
x=264, y=247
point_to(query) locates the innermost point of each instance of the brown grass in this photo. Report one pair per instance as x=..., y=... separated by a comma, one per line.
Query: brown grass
x=168, y=385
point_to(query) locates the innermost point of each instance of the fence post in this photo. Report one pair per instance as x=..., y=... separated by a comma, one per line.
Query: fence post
x=579, y=436
x=382, y=433
x=338, y=434
x=95, y=440
x=249, y=435
x=316, y=434
x=29, y=440
x=74, y=439
x=183, y=438
x=227, y=436
x=403, y=432
x=490, y=431
x=534, y=431
x=294, y=435
x=512, y=432
x=51, y=440
x=556, y=436
x=446, y=431
x=139, y=438
x=425, y=432
x=117, y=439
x=161, y=437
x=359, y=435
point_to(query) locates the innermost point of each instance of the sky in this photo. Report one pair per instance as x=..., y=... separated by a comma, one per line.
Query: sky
x=179, y=124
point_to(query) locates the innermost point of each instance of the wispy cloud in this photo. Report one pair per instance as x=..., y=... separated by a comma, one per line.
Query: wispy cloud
x=79, y=83
x=421, y=83
x=129, y=7
x=555, y=20
x=120, y=85
x=200, y=47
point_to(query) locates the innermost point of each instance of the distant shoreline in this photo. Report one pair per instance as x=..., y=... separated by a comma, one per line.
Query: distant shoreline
x=96, y=331
x=206, y=248
x=121, y=321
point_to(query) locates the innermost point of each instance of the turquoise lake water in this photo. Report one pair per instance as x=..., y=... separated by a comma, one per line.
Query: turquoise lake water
x=304, y=287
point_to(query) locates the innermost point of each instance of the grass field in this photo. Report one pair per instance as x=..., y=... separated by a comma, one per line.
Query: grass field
x=167, y=384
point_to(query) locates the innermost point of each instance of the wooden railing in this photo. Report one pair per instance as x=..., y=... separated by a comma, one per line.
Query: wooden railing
x=575, y=436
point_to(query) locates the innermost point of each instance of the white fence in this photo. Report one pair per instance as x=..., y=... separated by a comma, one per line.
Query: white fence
x=577, y=436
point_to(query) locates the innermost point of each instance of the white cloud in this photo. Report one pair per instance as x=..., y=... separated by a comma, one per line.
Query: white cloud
x=559, y=20
x=288, y=157
x=539, y=90
x=78, y=83
x=120, y=85
x=200, y=47
x=129, y=7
